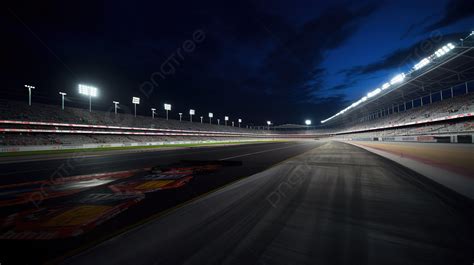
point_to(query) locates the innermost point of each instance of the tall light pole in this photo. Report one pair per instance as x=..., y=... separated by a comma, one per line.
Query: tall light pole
x=167, y=108
x=240, y=121
x=135, y=101
x=218, y=121
x=88, y=91
x=115, y=106
x=29, y=93
x=153, y=113
x=226, y=118
x=210, y=117
x=62, y=99
x=180, y=116
x=191, y=113
x=201, y=118
x=268, y=124
x=232, y=123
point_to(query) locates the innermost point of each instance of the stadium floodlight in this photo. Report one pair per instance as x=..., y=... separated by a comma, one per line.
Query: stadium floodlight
x=191, y=113
x=88, y=91
x=167, y=108
x=307, y=122
x=422, y=63
x=29, y=93
x=397, y=79
x=210, y=117
x=226, y=118
x=445, y=49
x=373, y=93
x=240, y=121
x=62, y=99
x=385, y=86
x=180, y=116
x=218, y=121
x=153, y=113
x=115, y=106
x=268, y=124
x=201, y=118
x=135, y=101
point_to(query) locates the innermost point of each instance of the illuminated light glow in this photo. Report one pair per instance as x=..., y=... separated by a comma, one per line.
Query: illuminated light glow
x=211, y=114
x=269, y=123
x=422, y=63
x=167, y=106
x=240, y=120
x=88, y=90
x=398, y=78
x=192, y=112
x=307, y=122
x=226, y=118
x=136, y=100
x=374, y=93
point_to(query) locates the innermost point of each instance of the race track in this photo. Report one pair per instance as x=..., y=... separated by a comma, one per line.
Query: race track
x=336, y=204
x=52, y=206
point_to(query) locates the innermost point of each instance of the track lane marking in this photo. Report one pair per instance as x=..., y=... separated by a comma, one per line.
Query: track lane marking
x=259, y=152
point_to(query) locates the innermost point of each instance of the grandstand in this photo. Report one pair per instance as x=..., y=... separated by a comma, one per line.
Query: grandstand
x=433, y=98
x=42, y=124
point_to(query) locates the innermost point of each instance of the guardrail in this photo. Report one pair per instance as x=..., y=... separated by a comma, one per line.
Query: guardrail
x=10, y=149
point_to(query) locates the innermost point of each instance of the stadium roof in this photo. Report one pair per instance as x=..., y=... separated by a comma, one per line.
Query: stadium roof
x=446, y=68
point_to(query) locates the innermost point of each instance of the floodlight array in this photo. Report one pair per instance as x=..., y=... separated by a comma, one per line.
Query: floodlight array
x=88, y=90
x=396, y=79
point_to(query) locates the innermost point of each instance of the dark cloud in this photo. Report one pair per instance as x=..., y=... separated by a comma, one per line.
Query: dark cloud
x=455, y=10
x=404, y=56
x=413, y=28
x=292, y=68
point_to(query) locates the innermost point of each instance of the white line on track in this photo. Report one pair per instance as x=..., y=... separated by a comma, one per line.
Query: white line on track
x=254, y=153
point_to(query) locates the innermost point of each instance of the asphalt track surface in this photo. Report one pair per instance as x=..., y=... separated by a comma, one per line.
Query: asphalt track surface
x=336, y=204
x=254, y=158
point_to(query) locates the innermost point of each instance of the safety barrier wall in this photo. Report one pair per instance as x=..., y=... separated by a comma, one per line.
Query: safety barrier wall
x=448, y=138
x=92, y=146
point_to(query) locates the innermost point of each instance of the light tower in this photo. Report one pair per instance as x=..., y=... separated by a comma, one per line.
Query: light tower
x=88, y=91
x=62, y=99
x=240, y=121
x=135, y=101
x=115, y=106
x=201, y=118
x=153, y=113
x=29, y=93
x=210, y=117
x=226, y=118
x=180, y=116
x=167, y=108
x=191, y=113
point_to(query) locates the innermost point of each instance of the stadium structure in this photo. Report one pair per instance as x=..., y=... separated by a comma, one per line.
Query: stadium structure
x=432, y=102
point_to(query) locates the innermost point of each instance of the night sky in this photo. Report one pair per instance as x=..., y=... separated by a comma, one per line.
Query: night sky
x=284, y=61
